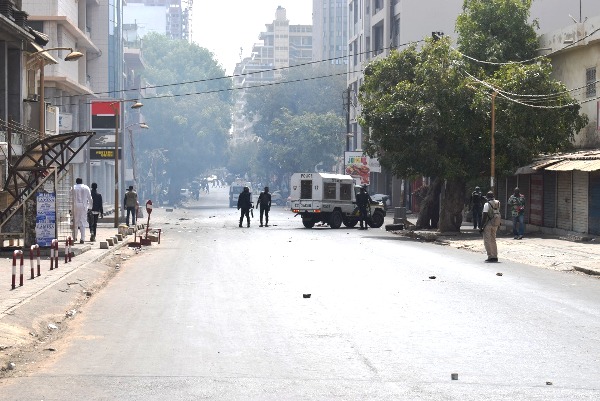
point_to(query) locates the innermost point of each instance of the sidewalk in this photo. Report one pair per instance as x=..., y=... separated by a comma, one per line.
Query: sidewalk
x=568, y=253
x=84, y=254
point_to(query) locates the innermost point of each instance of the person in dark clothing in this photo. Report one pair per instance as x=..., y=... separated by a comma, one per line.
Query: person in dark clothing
x=264, y=201
x=97, y=210
x=363, y=201
x=476, y=203
x=245, y=204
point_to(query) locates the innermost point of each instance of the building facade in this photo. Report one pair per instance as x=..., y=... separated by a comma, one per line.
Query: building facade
x=330, y=31
x=166, y=17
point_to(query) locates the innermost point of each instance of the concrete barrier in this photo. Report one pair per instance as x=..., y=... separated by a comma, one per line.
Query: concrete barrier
x=17, y=255
x=35, y=249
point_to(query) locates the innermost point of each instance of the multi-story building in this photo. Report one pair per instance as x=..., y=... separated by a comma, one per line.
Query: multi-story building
x=330, y=31
x=283, y=45
x=168, y=17
x=95, y=28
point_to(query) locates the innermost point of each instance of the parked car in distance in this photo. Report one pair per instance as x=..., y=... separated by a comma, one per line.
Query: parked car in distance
x=277, y=199
x=184, y=193
x=385, y=199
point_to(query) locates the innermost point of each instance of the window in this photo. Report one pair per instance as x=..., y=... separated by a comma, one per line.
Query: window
x=329, y=190
x=306, y=189
x=345, y=191
x=590, y=81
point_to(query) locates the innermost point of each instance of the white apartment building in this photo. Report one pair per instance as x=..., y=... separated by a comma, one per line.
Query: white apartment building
x=575, y=54
x=330, y=31
x=283, y=45
x=93, y=27
x=167, y=17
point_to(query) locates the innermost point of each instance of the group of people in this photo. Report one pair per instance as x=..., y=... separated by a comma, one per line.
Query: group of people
x=88, y=207
x=363, y=200
x=486, y=218
x=245, y=205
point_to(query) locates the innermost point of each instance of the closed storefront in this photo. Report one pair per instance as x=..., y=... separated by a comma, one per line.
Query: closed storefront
x=594, y=203
x=536, y=203
x=580, y=201
x=549, y=199
x=564, y=204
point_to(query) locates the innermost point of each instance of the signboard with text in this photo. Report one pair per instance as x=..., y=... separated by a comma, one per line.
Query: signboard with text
x=104, y=154
x=45, y=221
x=359, y=165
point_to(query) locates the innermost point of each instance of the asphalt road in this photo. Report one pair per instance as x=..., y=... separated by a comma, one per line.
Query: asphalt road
x=217, y=312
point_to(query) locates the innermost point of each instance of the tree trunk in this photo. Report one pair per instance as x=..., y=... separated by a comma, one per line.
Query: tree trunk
x=430, y=206
x=452, y=204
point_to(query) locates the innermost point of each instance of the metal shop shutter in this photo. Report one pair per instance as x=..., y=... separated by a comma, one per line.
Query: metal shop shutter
x=524, y=188
x=549, y=199
x=501, y=195
x=580, y=201
x=536, y=204
x=594, y=203
x=564, y=204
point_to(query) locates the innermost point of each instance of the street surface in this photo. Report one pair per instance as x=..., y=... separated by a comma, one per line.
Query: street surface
x=218, y=312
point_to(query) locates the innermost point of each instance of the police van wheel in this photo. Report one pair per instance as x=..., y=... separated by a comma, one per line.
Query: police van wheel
x=376, y=220
x=350, y=222
x=308, y=223
x=335, y=220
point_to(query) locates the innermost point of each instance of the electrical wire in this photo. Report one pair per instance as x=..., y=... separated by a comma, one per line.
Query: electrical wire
x=525, y=61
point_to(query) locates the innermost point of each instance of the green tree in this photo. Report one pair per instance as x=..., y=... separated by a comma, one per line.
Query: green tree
x=429, y=110
x=299, y=142
x=190, y=115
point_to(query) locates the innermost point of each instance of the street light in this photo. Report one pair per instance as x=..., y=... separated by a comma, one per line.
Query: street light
x=116, y=106
x=72, y=56
x=133, y=162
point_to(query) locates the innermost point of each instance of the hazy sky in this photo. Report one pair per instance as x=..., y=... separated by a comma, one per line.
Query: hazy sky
x=225, y=26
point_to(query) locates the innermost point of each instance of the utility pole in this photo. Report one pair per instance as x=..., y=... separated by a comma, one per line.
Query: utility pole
x=493, y=156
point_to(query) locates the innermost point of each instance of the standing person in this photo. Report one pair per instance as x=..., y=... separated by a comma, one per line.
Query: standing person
x=97, y=210
x=82, y=201
x=245, y=204
x=517, y=207
x=476, y=203
x=130, y=204
x=491, y=222
x=363, y=201
x=264, y=200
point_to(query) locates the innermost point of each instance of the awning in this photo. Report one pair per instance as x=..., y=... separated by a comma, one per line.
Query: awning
x=576, y=164
x=536, y=166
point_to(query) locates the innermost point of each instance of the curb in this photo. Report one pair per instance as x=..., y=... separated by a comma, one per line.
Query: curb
x=52, y=284
x=587, y=271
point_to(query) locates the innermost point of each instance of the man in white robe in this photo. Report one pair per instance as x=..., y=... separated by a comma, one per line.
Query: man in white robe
x=82, y=201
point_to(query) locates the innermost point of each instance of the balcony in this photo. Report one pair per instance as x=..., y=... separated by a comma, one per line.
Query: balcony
x=81, y=37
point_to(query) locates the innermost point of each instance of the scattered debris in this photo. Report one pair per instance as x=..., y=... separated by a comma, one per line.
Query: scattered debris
x=432, y=277
x=454, y=376
x=50, y=349
x=306, y=295
x=87, y=293
x=71, y=313
x=4, y=347
x=11, y=366
x=498, y=274
x=548, y=383
x=52, y=326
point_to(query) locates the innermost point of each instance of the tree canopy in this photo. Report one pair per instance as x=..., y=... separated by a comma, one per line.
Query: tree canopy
x=429, y=109
x=297, y=121
x=190, y=112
